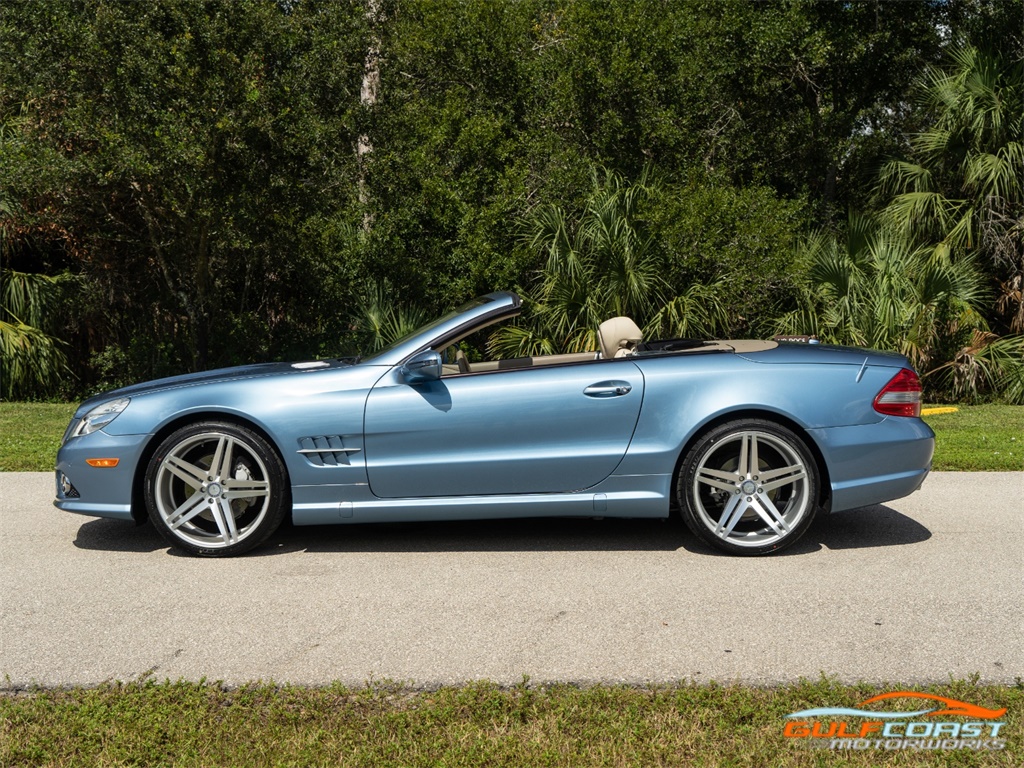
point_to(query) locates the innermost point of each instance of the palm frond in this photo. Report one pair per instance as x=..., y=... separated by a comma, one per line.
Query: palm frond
x=30, y=360
x=986, y=362
x=697, y=313
x=997, y=174
x=382, y=321
x=598, y=263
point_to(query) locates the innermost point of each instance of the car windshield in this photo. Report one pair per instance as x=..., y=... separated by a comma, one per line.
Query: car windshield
x=478, y=302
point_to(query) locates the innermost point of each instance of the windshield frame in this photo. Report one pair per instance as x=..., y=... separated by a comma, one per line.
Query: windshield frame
x=482, y=310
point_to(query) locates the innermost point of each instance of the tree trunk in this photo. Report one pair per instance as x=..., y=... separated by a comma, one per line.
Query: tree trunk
x=204, y=279
x=368, y=99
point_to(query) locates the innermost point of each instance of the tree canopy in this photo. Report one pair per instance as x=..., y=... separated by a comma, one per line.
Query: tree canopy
x=224, y=187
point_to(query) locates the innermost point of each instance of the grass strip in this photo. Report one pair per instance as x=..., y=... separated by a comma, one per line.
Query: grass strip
x=199, y=724
x=30, y=435
x=987, y=438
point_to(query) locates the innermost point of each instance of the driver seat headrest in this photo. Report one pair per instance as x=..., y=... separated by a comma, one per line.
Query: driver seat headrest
x=619, y=337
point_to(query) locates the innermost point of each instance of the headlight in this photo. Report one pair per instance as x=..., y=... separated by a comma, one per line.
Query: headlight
x=100, y=416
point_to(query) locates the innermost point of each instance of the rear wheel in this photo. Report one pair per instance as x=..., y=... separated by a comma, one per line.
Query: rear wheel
x=216, y=489
x=748, y=487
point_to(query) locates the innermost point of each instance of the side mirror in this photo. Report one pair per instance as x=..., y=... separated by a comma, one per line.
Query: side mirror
x=423, y=366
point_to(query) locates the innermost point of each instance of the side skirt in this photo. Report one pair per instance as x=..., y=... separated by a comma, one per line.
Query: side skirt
x=647, y=496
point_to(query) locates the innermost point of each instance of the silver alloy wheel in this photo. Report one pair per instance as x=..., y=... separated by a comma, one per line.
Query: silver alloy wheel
x=212, y=490
x=752, y=488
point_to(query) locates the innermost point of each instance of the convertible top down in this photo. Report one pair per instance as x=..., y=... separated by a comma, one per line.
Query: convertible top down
x=748, y=439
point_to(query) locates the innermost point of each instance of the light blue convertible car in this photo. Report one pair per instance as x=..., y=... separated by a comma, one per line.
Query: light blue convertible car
x=747, y=439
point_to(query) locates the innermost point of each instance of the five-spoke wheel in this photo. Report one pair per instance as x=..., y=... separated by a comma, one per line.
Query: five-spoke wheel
x=748, y=487
x=216, y=488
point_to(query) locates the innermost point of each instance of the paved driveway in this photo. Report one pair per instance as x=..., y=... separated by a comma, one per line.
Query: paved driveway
x=914, y=590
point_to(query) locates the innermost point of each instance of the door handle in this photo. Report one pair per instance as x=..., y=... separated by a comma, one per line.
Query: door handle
x=608, y=389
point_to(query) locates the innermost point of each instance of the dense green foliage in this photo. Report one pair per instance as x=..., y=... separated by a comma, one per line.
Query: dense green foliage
x=199, y=724
x=237, y=181
x=161, y=149
x=32, y=358
x=605, y=264
x=878, y=289
x=963, y=194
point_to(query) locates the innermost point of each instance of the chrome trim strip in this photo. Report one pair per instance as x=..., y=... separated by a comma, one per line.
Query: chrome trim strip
x=329, y=450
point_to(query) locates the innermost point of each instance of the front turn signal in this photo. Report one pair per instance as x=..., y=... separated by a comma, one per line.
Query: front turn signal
x=102, y=463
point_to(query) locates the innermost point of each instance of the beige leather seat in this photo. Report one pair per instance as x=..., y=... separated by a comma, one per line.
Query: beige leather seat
x=619, y=337
x=463, y=363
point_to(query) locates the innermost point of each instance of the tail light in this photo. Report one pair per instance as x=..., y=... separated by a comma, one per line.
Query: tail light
x=901, y=396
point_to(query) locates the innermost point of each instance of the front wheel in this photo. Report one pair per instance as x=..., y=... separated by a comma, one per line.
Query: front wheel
x=748, y=487
x=216, y=489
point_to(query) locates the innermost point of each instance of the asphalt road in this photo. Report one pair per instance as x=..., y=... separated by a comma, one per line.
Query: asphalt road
x=911, y=591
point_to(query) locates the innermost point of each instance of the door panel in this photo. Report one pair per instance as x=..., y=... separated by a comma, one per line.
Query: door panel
x=532, y=430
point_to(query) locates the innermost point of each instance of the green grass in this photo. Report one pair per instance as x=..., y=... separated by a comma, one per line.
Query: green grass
x=975, y=438
x=195, y=724
x=30, y=434
x=979, y=438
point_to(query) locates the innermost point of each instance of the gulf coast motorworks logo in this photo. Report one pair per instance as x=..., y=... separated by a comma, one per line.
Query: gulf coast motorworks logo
x=921, y=729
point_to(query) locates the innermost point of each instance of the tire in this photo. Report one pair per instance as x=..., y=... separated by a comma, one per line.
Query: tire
x=748, y=487
x=216, y=489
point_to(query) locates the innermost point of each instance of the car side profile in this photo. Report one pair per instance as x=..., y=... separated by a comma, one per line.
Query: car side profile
x=749, y=440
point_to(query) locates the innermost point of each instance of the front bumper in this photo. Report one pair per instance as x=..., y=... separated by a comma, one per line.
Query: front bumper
x=100, y=492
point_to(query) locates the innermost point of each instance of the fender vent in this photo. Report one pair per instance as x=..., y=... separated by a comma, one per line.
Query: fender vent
x=325, y=450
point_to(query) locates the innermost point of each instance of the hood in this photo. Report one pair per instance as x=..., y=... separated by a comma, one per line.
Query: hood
x=215, y=376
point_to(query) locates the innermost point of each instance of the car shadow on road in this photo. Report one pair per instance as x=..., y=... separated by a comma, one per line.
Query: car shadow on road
x=875, y=526
x=118, y=536
x=865, y=528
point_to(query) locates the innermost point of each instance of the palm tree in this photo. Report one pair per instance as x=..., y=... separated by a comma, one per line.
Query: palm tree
x=986, y=362
x=30, y=359
x=878, y=289
x=598, y=265
x=963, y=191
x=381, y=321
x=962, y=195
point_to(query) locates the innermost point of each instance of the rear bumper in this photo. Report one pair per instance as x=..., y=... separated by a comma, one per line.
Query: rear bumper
x=874, y=463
